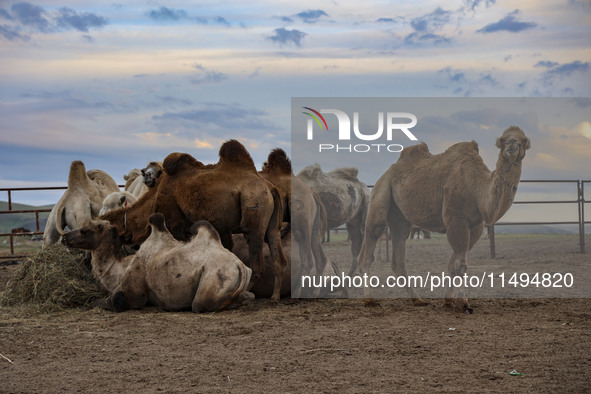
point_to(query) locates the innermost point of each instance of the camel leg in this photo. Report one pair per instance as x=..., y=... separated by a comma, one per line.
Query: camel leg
x=355, y=230
x=399, y=230
x=379, y=206
x=459, y=238
x=273, y=239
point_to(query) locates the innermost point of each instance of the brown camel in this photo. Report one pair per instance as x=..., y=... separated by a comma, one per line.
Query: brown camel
x=302, y=208
x=453, y=192
x=229, y=194
x=200, y=275
x=345, y=199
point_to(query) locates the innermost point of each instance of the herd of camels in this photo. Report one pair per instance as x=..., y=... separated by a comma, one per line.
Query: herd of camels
x=453, y=193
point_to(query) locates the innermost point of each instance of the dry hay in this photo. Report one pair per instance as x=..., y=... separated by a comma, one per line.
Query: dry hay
x=52, y=279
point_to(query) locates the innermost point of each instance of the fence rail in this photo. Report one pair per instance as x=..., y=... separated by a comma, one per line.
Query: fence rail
x=579, y=201
x=9, y=191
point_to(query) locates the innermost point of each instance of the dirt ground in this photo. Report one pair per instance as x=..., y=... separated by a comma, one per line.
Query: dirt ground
x=324, y=345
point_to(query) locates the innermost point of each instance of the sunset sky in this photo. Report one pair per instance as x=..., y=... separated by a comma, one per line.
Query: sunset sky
x=117, y=85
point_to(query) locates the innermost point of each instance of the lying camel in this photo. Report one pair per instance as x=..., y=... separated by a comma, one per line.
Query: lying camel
x=201, y=274
x=230, y=195
x=302, y=208
x=453, y=192
x=345, y=198
x=415, y=230
x=80, y=203
x=117, y=200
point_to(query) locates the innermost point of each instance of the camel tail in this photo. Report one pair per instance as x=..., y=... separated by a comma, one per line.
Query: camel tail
x=234, y=152
x=278, y=161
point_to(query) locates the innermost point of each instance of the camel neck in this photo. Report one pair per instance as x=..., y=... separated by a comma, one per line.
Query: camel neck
x=500, y=193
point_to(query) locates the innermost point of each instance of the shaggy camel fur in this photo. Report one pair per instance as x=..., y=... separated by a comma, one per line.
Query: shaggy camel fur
x=263, y=288
x=230, y=195
x=116, y=200
x=302, y=208
x=201, y=275
x=453, y=192
x=345, y=198
x=80, y=203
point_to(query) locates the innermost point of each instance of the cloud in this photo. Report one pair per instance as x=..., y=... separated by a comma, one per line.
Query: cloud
x=285, y=36
x=311, y=16
x=426, y=26
x=167, y=15
x=431, y=22
x=508, y=23
x=26, y=18
x=453, y=75
x=472, y=4
x=12, y=34
x=207, y=76
x=568, y=68
x=546, y=64
x=79, y=21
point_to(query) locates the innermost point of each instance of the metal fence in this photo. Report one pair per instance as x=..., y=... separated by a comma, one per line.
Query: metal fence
x=37, y=230
x=579, y=201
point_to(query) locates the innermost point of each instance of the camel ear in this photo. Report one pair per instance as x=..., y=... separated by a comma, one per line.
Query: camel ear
x=122, y=199
x=499, y=143
x=527, y=143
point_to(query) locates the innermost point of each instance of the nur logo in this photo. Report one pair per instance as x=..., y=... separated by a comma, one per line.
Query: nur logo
x=392, y=120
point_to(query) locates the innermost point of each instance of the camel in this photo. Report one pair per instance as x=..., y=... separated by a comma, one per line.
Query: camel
x=229, y=194
x=302, y=208
x=137, y=181
x=80, y=203
x=345, y=199
x=452, y=192
x=116, y=200
x=201, y=275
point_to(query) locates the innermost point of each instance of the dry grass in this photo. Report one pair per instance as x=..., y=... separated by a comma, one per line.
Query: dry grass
x=52, y=279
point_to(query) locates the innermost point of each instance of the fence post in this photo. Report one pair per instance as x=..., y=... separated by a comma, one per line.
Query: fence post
x=491, y=237
x=581, y=204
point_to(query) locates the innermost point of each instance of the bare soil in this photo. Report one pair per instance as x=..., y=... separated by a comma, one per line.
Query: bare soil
x=325, y=345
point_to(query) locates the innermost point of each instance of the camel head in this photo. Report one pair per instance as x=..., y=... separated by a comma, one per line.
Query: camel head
x=151, y=173
x=91, y=236
x=513, y=144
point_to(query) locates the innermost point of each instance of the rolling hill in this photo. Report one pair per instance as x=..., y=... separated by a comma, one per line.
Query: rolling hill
x=26, y=220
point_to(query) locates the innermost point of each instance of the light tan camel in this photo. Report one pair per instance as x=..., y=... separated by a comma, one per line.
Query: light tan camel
x=345, y=199
x=453, y=192
x=80, y=203
x=200, y=275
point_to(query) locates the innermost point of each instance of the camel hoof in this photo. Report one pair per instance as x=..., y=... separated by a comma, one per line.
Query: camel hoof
x=371, y=303
x=468, y=310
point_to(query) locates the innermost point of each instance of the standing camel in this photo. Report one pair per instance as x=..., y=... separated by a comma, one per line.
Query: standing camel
x=453, y=192
x=345, y=198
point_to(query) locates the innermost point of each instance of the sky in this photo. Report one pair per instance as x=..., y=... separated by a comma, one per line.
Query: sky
x=119, y=84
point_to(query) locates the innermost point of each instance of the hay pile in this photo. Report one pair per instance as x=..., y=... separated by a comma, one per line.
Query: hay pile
x=52, y=279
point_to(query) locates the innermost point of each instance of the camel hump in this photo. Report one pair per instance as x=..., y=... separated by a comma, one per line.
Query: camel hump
x=77, y=175
x=177, y=162
x=156, y=220
x=279, y=161
x=234, y=152
x=348, y=173
x=415, y=152
x=204, y=228
x=311, y=172
x=131, y=175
